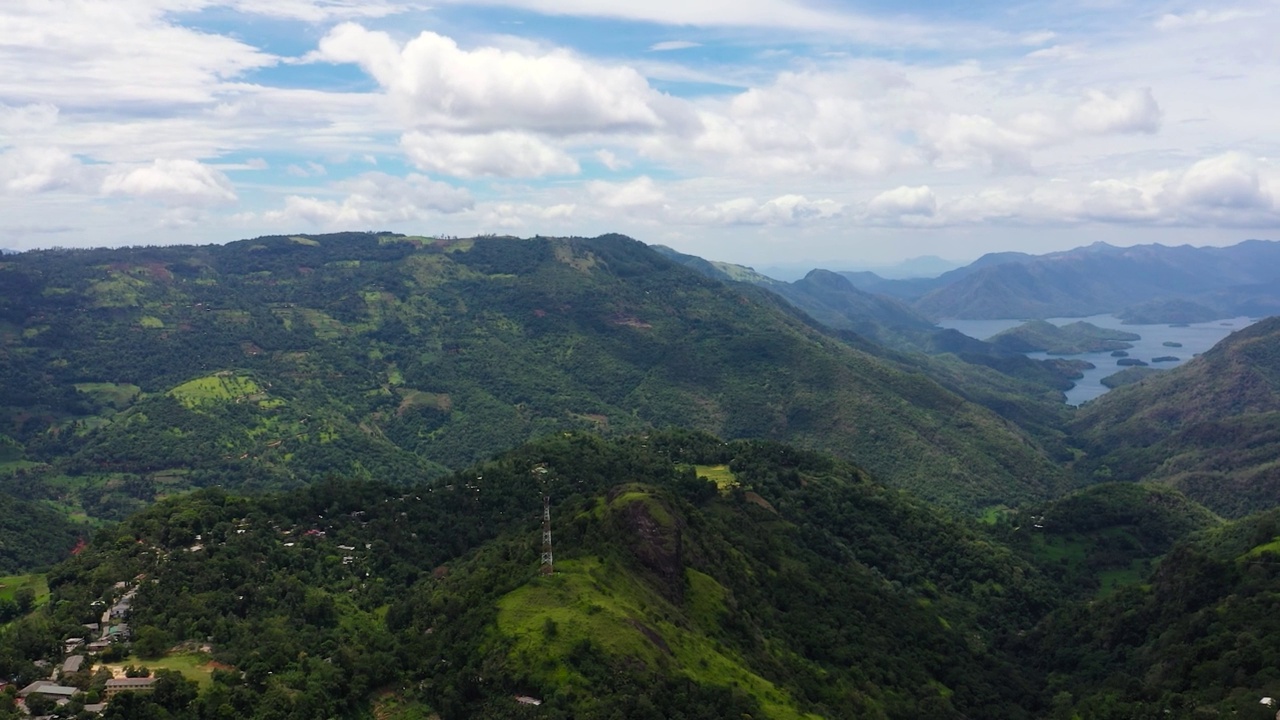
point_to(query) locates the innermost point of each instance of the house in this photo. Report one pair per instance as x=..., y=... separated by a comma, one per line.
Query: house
x=115, y=686
x=49, y=689
x=73, y=664
x=99, y=645
x=72, y=643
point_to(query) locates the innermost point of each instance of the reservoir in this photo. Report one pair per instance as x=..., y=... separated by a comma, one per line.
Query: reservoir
x=1194, y=339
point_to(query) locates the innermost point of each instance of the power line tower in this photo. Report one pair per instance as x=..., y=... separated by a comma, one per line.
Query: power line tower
x=548, y=562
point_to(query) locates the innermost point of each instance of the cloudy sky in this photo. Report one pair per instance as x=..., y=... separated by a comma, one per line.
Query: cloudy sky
x=756, y=131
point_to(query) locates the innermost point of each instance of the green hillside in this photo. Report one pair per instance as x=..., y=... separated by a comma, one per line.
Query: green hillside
x=1210, y=427
x=1097, y=540
x=135, y=373
x=799, y=589
x=1198, y=639
x=693, y=578
x=1070, y=339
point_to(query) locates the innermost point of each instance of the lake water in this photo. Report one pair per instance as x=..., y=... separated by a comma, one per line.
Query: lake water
x=1195, y=338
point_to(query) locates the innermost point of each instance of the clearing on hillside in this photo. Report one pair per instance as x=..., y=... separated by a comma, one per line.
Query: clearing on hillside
x=217, y=388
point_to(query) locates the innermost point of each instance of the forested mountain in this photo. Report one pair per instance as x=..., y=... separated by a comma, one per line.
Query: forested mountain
x=1199, y=639
x=1225, y=282
x=134, y=373
x=915, y=288
x=828, y=298
x=693, y=578
x=1210, y=427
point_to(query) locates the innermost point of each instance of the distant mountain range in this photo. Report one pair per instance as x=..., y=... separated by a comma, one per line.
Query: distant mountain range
x=1143, y=283
x=925, y=266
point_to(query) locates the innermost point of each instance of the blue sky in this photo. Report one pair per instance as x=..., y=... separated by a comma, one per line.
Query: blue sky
x=767, y=132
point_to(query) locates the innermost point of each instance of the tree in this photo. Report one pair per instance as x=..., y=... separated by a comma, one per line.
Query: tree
x=25, y=599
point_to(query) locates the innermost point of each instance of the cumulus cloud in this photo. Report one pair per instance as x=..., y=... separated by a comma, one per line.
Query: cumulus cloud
x=498, y=154
x=782, y=210
x=1228, y=182
x=904, y=201
x=28, y=170
x=439, y=84
x=512, y=216
x=1132, y=111
x=172, y=182
x=1227, y=190
x=638, y=193
x=373, y=199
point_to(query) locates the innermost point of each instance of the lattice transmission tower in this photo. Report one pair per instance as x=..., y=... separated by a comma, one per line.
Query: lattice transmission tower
x=548, y=561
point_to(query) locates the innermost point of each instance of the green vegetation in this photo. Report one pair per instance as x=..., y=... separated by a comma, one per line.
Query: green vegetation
x=379, y=356
x=1128, y=376
x=1070, y=339
x=721, y=475
x=842, y=598
x=1210, y=428
x=801, y=590
x=219, y=388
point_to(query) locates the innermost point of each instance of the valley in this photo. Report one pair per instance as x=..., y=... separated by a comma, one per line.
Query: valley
x=316, y=465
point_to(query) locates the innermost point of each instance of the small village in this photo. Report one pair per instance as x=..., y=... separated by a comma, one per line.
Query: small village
x=82, y=681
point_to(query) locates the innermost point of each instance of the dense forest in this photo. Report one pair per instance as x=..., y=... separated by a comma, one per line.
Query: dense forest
x=692, y=577
x=289, y=460
x=130, y=374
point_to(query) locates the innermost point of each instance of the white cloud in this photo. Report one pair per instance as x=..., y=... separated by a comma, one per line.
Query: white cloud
x=27, y=170
x=513, y=216
x=641, y=192
x=1228, y=182
x=1126, y=112
x=1037, y=38
x=782, y=210
x=1230, y=190
x=441, y=85
x=498, y=154
x=76, y=53
x=373, y=199
x=16, y=120
x=1172, y=21
x=770, y=14
x=306, y=170
x=669, y=45
x=316, y=11
x=904, y=201
x=610, y=160
x=173, y=182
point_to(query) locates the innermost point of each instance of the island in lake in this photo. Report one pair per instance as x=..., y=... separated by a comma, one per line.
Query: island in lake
x=1071, y=339
x=1128, y=376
